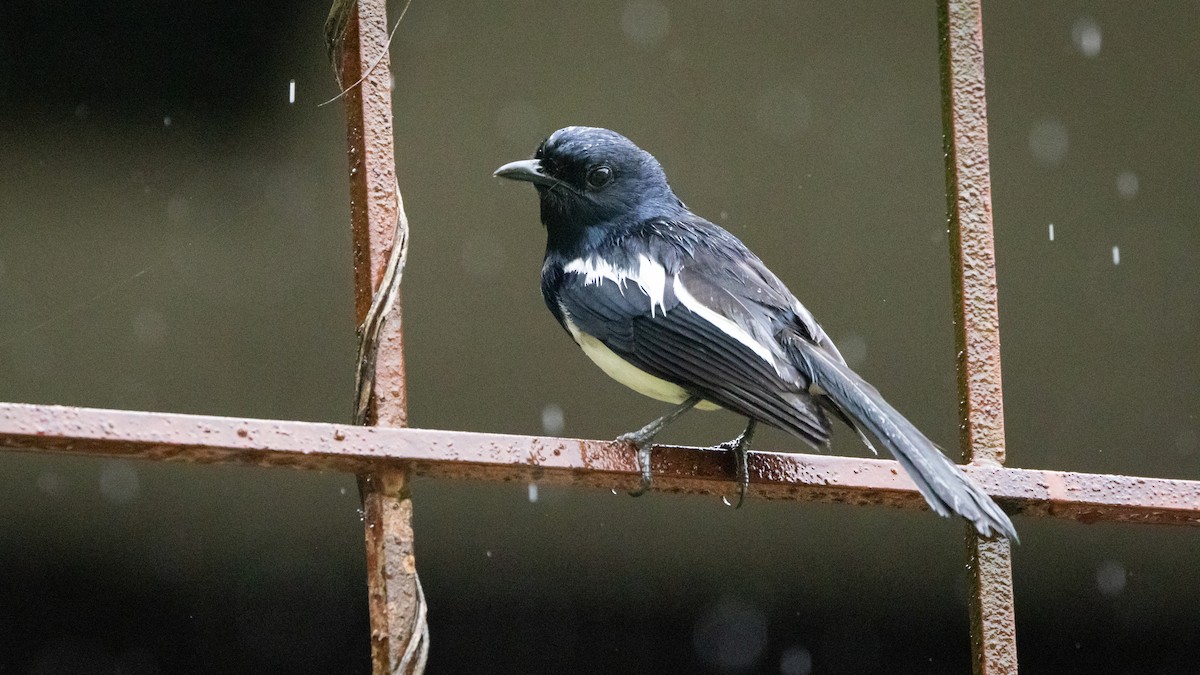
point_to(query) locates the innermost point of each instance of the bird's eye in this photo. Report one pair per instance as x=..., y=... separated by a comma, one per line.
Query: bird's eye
x=599, y=177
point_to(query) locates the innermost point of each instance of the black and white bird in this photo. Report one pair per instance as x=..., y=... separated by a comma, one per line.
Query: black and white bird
x=678, y=309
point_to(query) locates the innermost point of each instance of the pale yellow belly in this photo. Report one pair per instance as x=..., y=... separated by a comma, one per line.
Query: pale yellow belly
x=635, y=378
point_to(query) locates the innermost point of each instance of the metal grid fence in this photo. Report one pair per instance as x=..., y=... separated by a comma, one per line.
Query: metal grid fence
x=385, y=453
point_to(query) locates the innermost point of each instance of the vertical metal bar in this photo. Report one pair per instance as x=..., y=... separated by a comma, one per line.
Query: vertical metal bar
x=359, y=40
x=981, y=409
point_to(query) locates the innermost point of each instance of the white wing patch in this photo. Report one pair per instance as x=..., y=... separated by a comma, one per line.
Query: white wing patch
x=724, y=324
x=649, y=276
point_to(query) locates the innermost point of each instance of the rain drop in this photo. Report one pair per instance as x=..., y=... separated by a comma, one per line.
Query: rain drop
x=1127, y=184
x=1111, y=578
x=854, y=349
x=553, y=420
x=1048, y=142
x=731, y=635
x=1085, y=33
x=795, y=661
x=119, y=482
x=52, y=484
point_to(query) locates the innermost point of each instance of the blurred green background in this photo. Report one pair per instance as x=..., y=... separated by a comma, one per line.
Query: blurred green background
x=174, y=236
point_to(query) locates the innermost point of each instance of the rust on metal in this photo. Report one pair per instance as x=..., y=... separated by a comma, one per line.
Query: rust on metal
x=358, y=42
x=969, y=208
x=375, y=205
x=972, y=252
x=1081, y=497
x=993, y=628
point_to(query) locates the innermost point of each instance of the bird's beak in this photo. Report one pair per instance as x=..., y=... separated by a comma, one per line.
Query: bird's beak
x=529, y=170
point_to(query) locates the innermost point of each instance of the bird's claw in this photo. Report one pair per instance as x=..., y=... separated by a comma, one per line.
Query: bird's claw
x=740, y=447
x=743, y=472
x=643, y=459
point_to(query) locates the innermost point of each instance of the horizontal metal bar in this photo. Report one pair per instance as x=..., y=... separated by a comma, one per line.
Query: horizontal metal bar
x=1066, y=495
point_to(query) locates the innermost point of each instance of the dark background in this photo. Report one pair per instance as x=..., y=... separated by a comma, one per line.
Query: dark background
x=174, y=236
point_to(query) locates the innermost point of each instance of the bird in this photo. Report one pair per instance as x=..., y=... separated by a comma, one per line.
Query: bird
x=678, y=309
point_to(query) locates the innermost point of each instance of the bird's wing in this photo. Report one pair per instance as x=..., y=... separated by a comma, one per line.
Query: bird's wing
x=666, y=314
x=751, y=295
x=745, y=279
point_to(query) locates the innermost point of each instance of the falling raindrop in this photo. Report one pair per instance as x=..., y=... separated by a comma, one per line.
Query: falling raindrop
x=1111, y=578
x=1048, y=141
x=1187, y=441
x=52, y=484
x=731, y=635
x=149, y=326
x=1051, y=231
x=292, y=91
x=1127, y=184
x=553, y=421
x=854, y=349
x=119, y=482
x=533, y=493
x=795, y=661
x=1085, y=33
x=1116, y=255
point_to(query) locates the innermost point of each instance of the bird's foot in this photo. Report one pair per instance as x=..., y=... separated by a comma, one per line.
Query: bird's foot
x=643, y=442
x=740, y=447
x=643, y=438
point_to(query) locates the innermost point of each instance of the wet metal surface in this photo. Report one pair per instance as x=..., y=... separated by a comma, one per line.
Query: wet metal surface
x=1065, y=495
x=973, y=259
x=969, y=208
x=374, y=195
x=375, y=210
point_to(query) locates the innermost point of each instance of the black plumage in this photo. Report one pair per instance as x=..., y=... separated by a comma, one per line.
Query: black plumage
x=679, y=309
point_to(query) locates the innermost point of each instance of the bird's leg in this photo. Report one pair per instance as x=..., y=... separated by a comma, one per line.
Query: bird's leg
x=643, y=438
x=740, y=447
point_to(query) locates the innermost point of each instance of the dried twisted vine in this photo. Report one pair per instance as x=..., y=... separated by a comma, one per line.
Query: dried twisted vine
x=377, y=314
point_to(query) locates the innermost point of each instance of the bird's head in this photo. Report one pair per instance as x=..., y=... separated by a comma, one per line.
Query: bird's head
x=588, y=177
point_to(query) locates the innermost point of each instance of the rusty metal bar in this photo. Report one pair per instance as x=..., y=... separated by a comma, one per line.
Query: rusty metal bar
x=358, y=40
x=1080, y=497
x=981, y=406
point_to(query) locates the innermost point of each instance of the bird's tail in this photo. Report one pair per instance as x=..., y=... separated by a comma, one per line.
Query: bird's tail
x=943, y=484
